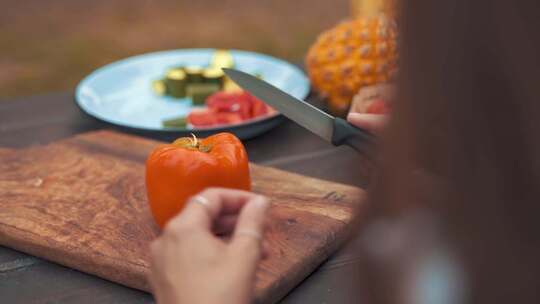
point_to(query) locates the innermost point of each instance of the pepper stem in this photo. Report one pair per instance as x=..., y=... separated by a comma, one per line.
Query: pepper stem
x=195, y=140
x=192, y=143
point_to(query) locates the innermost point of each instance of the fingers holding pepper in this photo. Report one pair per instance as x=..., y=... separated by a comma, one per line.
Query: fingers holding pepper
x=189, y=246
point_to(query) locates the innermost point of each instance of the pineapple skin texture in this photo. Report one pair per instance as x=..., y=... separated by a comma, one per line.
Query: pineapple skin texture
x=354, y=54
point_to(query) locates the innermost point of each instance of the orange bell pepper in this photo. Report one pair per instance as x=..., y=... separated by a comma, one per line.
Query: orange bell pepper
x=177, y=171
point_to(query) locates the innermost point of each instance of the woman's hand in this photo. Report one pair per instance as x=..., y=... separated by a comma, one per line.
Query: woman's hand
x=374, y=123
x=190, y=264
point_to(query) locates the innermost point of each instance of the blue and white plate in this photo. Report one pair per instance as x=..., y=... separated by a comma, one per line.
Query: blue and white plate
x=120, y=93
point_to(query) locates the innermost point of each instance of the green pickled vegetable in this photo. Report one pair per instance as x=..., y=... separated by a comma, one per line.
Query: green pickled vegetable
x=159, y=87
x=214, y=75
x=177, y=122
x=200, y=91
x=222, y=59
x=175, y=81
x=194, y=74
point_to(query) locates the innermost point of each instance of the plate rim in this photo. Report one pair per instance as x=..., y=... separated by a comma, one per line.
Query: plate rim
x=257, y=120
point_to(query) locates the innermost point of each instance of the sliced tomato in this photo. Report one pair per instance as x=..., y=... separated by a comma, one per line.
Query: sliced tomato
x=379, y=106
x=228, y=108
x=258, y=108
x=219, y=101
x=210, y=118
x=202, y=118
x=247, y=105
x=230, y=102
x=225, y=118
x=270, y=110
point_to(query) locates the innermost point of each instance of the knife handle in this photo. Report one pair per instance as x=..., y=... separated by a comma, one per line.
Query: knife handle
x=359, y=139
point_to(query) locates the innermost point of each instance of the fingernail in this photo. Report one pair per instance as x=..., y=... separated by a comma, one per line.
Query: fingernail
x=261, y=202
x=351, y=116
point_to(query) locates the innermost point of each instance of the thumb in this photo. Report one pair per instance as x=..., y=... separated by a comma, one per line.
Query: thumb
x=374, y=123
x=248, y=234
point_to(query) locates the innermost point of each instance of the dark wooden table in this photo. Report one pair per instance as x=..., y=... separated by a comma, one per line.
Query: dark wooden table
x=42, y=119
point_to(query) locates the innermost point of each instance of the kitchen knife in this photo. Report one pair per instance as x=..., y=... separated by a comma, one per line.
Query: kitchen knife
x=333, y=129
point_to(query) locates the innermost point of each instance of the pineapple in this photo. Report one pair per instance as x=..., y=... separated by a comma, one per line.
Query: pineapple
x=364, y=8
x=355, y=53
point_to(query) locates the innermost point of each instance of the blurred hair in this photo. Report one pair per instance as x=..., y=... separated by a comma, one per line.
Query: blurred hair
x=468, y=111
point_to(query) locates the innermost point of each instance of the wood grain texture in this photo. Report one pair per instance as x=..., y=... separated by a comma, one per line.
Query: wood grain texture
x=81, y=202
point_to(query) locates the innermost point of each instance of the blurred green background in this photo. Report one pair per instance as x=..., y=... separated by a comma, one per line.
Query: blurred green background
x=50, y=45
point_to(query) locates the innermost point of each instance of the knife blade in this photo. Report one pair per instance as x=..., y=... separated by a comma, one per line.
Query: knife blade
x=333, y=129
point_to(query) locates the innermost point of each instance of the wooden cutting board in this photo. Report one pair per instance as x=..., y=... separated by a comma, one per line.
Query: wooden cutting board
x=81, y=202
